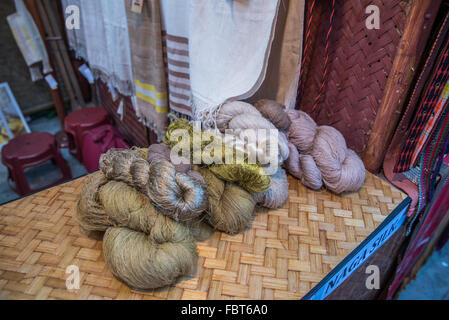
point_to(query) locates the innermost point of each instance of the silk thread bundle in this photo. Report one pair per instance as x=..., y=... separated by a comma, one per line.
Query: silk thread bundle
x=226, y=206
x=274, y=197
x=176, y=194
x=275, y=112
x=323, y=154
x=319, y=155
x=239, y=116
x=162, y=151
x=142, y=247
x=277, y=195
x=247, y=176
x=250, y=177
x=231, y=208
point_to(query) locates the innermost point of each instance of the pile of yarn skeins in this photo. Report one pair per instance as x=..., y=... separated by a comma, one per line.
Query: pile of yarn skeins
x=150, y=212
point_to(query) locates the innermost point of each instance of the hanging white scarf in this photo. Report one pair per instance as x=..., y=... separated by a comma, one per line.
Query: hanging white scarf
x=107, y=42
x=230, y=43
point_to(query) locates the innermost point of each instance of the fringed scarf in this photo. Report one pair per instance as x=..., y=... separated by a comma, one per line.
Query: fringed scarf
x=229, y=44
x=145, y=33
x=107, y=42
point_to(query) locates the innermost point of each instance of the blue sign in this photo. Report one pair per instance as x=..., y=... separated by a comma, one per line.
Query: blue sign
x=365, y=250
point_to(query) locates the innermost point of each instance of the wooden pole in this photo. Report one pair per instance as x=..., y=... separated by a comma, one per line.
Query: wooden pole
x=59, y=61
x=419, y=24
x=63, y=50
x=56, y=95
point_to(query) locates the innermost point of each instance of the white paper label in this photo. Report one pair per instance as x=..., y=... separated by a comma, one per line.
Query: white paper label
x=51, y=82
x=87, y=73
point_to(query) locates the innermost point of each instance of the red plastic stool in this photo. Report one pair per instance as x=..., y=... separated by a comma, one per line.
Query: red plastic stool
x=78, y=122
x=30, y=150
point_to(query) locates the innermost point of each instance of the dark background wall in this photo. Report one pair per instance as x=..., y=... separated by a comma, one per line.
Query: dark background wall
x=30, y=96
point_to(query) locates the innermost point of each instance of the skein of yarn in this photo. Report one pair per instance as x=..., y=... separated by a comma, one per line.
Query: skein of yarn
x=142, y=247
x=230, y=207
x=318, y=154
x=302, y=131
x=247, y=176
x=89, y=212
x=162, y=152
x=107, y=203
x=238, y=115
x=275, y=112
x=176, y=194
x=324, y=156
x=303, y=167
x=251, y=177
x=143, y=263
x=277, y=195
x=104, y=204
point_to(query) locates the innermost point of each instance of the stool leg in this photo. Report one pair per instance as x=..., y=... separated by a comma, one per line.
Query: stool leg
x=18, y=176
x=73, y=146
x=62, y=164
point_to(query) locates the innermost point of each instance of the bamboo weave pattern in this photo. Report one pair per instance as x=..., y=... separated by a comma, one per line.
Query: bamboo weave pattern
x=283, y=255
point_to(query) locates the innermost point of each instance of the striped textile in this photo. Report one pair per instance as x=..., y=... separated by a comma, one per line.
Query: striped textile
x=399, y=179
x=432, y=159
x=176, y=56
x=151, y=95
x=434, y=116
x=427, y=105
x=175, y=38
x=413, y=175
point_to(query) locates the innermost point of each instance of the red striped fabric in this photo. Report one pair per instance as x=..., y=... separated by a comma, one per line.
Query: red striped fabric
x=176, y=51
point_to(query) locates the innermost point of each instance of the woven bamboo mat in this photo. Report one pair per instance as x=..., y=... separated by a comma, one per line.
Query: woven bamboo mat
x=283, y=255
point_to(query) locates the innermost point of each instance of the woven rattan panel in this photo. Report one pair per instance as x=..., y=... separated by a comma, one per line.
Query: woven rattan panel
x=134, y=131
x=360, y=61
x=283, y=255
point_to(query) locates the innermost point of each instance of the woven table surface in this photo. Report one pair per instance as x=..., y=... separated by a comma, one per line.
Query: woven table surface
x=284, y=255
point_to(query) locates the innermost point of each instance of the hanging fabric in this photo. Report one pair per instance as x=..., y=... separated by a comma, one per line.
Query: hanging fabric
x=107, y=42
x=29, y=41
x=434, y=215
x=230, y=42
x=284, y=64
x=75, y=37
x=399, y=179
x=175, y=26
x=432, y=159
x=427, y=106
x=431, y=123
x=145, y=36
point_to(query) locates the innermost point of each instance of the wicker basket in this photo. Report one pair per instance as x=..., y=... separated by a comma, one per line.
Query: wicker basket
x=360, y=61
